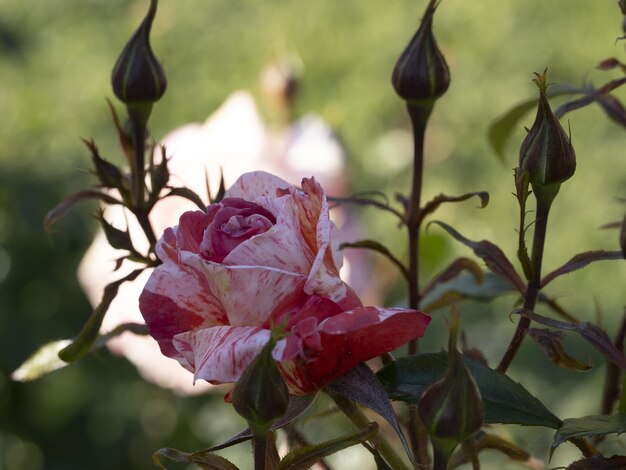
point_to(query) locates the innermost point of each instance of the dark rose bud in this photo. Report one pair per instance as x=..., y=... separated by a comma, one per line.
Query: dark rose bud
x=260, y=395
x=546, y=154
x=138, y=76
x=421, y=72
x=451, y=408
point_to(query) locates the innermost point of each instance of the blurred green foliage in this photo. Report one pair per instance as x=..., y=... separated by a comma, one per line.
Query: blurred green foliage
x=55, y=62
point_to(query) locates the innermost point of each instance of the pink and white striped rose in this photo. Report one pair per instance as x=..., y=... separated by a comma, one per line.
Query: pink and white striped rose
x=265, y=256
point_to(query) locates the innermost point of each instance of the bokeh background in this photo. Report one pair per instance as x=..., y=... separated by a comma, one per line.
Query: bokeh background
x=55, y=63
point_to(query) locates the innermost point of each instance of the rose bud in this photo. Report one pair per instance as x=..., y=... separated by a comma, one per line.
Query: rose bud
x=260, y=395
x=421, y=73
x=138, y=77
x=451, y=408
x=546, y=154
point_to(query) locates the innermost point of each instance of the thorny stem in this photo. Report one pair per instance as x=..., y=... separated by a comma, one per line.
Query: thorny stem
x=534, y=283
x=419, y=114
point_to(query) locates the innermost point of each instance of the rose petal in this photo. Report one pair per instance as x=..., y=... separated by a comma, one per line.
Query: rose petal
x=250, y=294
x=177, y=299
x=281, y=247
x=191, y=226
x=256, y=184
x=222, y=353
x=351, y=338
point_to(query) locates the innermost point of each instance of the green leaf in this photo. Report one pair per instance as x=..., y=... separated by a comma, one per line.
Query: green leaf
x=46, y=359
x=41, y=362
x=379, y=248
x=304, y=457
x=505, y=400
x=579, y=261
x=491, y=254
x=597, y=462
x=172, y=459
x=187, y=194
x=433, y=205
x=465, y=287
x=70, y=201
x=452, y=271
x=594, y=425
x=551, y=342
x=593, y=334
x=85, y=339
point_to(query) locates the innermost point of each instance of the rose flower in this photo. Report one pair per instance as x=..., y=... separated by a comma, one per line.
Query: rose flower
x=263, y=259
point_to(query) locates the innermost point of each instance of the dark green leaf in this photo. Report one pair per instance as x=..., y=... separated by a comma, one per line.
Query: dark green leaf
x=595, y=425
x=304, y=457
x=465, y=287
x=66, y=204
x=579, y=261
x=187, y=194
x=452, y=271
x=379, y=248
x=505, y=401
x=109, y=175
x=85, y=339
x=362, y=386
x=361, y=200
x=118, y=239
x=551, y=342
x=432, y=206
x=591, y=95
x=594, y=335
x=597, y=462
x=491, y=254
x=172, y=459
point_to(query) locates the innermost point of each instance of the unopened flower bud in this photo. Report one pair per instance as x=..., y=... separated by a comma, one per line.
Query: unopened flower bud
x=546, y=154
x=451, y=408
x=260, y=395
x=421, y=72
x=138, y=77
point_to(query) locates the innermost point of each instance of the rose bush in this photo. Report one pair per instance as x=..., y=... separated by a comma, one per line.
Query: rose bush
x=264, y=258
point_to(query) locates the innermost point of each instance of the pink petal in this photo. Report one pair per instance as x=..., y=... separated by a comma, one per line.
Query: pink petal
x=357, y=336
x=176, y=299
x=281, y=247
x=222, y=353
x=191, y=227
x=249, y=294
x=251, y=186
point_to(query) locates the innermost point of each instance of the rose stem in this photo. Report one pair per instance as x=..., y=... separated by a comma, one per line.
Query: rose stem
x=354, y=414
x=138, y=124
x=534, y=283
x=419, y=114
x=259, y=443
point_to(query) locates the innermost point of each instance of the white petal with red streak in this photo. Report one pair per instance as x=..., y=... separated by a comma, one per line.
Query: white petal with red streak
x=249, y=294
x=250, y=186
x=222, y=353
x=281, y=247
